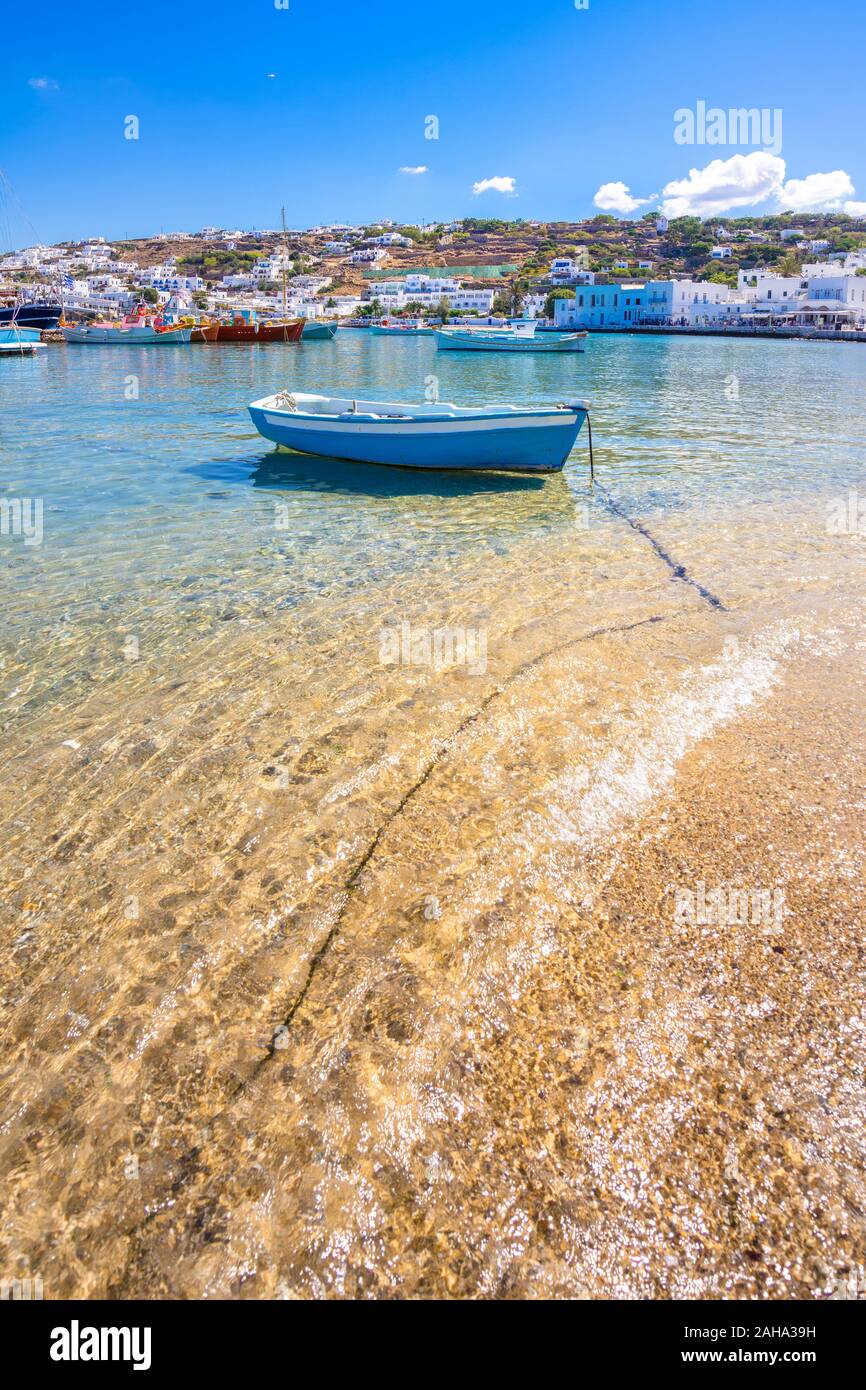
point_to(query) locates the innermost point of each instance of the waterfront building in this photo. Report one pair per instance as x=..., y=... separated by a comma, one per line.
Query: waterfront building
x=628, y=304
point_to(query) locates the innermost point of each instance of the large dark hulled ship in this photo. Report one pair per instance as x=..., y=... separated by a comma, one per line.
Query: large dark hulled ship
x=36, y=315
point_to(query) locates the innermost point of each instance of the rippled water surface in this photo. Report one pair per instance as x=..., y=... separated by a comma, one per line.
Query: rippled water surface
x=327, y=974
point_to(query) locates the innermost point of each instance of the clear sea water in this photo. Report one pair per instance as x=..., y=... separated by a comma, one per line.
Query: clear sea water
x=226, y=814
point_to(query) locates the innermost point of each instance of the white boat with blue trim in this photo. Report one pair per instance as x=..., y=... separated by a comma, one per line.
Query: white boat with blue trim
x=510, y=438
x=401, y=330
x=520, y=337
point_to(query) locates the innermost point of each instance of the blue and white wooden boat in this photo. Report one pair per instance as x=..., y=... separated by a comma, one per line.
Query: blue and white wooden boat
x=15, y=341
x=517, y=338
x=512, y=438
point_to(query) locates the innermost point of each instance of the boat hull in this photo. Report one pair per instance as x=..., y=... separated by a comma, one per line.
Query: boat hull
x=289, y=332
x=315, y=332
x=127, y=337
x=31, y=315
x=475, y=341
x=20, y=349
x=12, y=334
x=531, y=442
x=204, y=333
x=385, y=331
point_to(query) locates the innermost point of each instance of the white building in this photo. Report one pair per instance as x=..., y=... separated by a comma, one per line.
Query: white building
x=390, y=239
x=721, y=253
x=428, y=290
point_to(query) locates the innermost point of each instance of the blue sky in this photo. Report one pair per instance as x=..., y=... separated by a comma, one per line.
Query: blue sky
x=563, y=101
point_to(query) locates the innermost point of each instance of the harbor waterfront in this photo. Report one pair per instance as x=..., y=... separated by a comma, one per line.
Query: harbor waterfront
x=433, y=884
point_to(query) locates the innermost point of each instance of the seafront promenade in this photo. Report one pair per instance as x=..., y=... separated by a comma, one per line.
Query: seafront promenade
x=717, y=330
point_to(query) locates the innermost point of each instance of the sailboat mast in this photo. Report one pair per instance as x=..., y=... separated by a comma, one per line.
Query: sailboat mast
x=285, y=250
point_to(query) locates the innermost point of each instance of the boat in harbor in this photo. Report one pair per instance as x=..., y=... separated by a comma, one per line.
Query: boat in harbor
x=526, y=439
x=39, y=314
x=514, y=338
x=242, y=330
x=19, y=342
x=126, y=335
x=316, y=332
x=245, y=328
x=401, y=330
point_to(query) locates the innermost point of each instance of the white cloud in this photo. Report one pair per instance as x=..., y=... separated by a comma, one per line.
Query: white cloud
x=616, y=197
x=499, y=184
x=816, y=192
x=414, y=169
x=43, y=84
x=738, y=182
x=854, y=209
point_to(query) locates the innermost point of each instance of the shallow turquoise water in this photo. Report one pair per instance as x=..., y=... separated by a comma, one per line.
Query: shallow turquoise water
x=158, y=494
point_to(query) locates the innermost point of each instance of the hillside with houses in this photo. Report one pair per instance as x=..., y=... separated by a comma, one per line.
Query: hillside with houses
x=471, y=266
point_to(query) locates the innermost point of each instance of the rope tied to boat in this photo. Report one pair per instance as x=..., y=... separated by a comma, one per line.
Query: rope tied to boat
x=563, y=405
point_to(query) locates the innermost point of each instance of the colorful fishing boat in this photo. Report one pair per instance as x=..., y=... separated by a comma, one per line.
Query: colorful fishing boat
x=515, y=338
x=509, y=438
x=126, y=335
x=315, y=332
x=204, y=332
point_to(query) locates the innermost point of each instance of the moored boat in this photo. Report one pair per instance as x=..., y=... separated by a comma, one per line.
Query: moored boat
x=521, y=338
x=126, y=335
x=241, y=330
x=204, y=332
x=284, y=331
x=18, y=342
x=314, y=331
x=41, y=314
x=401, y=330
x=507, y=438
